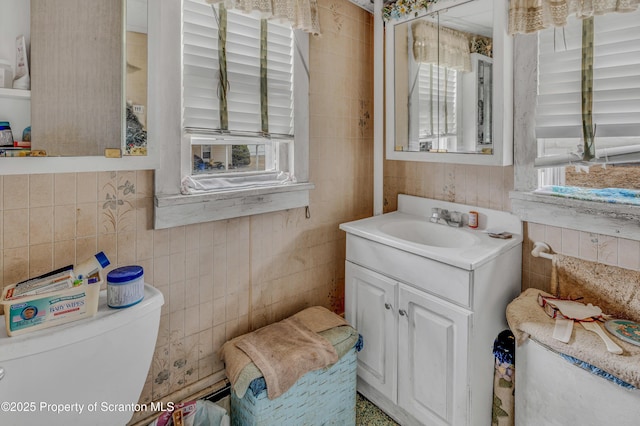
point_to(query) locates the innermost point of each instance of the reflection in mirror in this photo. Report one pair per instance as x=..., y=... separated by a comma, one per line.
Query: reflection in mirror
x=136, y=78
x=15, y=105
x=443, y=81
x=78, y=102
x=76, y=76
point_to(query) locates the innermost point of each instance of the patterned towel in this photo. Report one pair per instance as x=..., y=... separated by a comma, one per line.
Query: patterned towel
x=605, y=195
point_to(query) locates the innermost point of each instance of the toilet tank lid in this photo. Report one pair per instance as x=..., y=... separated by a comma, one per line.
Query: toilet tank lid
x=105, y=320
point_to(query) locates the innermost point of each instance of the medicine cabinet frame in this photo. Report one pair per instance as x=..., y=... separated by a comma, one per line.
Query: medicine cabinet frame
x=502, y=108
x=94, y=163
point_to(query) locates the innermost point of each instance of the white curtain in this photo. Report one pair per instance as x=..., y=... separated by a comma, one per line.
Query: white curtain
x=441, y=46
x=192, y=185
x=301, y=14
x=528, y=16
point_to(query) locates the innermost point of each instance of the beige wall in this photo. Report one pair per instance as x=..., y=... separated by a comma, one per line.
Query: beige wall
x=621, y=252
x=219, y=279
x=482, y=186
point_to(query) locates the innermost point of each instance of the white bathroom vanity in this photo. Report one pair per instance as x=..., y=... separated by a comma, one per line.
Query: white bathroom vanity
x=429, y=299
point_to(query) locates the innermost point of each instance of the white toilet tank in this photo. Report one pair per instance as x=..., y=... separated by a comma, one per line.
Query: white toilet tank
x=88, y=372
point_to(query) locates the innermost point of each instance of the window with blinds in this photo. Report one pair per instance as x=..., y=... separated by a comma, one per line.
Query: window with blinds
x=615, y=109
x=437, y=92
x=237, y=90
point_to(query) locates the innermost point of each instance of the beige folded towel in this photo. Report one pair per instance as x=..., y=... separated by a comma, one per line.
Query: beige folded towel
x=285, y=351
x=296, y=339
x=526, y=319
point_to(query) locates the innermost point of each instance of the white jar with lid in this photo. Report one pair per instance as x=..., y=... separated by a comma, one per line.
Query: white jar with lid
x=6, y=74
x=125, y=286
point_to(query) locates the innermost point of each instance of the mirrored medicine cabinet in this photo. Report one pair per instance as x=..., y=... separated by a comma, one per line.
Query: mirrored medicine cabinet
x=448, y=76
x=88, y=61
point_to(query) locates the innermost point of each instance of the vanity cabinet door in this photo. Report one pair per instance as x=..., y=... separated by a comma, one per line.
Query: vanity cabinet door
x=370, y=306
x=432, y=358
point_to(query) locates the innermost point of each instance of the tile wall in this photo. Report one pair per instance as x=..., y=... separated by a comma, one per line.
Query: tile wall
x=621, y=252
x=219, y=279
x=482, y=186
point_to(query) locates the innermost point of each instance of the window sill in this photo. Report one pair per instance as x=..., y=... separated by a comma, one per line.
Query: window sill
x=617, y=220
x=178, y=210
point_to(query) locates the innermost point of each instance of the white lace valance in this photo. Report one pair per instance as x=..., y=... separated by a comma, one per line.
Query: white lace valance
x=528, y=16
x=301, y=14
x=453, y=46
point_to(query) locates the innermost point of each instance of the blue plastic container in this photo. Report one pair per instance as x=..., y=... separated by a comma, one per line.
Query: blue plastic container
x=125, y=286
x=6, y=137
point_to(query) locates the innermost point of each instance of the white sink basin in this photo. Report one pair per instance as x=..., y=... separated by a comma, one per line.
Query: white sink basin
x=429, y=234
x=409, y=230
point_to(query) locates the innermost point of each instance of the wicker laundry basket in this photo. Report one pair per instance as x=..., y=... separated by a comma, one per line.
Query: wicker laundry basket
x=321, y=397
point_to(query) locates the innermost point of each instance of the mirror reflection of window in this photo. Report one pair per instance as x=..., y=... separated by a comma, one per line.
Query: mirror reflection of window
x=437, y=57
x=136, y=79
x=448, y=87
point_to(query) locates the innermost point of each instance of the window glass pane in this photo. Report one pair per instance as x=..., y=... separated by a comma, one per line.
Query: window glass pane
x=227, y=158
x=624, y=176
x=237, y=158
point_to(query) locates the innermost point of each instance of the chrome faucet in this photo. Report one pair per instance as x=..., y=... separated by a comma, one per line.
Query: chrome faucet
x=439, y=215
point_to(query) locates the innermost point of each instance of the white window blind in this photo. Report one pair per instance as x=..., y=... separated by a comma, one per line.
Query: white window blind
x=437, y=88
x=616, y=89
x=201, y=73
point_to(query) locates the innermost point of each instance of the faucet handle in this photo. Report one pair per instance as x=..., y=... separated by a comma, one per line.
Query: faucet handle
x=455, y=219
x=435, y=214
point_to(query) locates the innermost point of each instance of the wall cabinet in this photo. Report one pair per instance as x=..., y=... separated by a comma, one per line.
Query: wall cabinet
x=468, y=126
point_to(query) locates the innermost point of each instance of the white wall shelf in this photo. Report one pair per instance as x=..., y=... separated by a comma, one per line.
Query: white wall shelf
x=15, y=93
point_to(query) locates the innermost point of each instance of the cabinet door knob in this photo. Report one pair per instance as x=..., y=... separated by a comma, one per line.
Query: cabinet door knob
x=387, y=306
x=402, y=312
